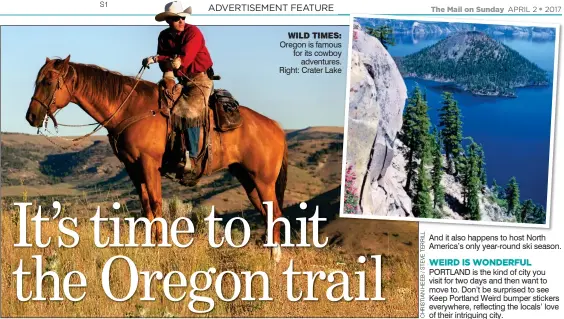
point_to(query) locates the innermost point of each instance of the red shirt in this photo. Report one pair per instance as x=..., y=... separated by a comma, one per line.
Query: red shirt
x=189, y=45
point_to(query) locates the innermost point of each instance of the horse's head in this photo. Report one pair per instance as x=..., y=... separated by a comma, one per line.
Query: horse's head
x=52, y=91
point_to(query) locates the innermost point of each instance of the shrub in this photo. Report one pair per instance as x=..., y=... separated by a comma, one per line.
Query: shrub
x=351, y=193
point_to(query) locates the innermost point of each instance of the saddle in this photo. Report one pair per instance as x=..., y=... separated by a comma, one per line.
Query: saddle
x=226, y=117
x=224, y=106
x=226, y=110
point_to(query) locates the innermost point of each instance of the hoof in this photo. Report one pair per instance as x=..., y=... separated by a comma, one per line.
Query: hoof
x=189, y=182
x=189, y=179
x=276, y=253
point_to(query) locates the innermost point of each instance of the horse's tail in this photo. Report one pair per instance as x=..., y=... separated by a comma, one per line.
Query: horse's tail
x=282, y=177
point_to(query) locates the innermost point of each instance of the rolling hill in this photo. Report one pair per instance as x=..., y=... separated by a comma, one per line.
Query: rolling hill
x=89, y=175
x=33, y=165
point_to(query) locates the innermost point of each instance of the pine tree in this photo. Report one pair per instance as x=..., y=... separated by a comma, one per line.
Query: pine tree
x=464, y=178
x=474, y=199
x=437, y=172
x=451, y=123
x=495, y=188
x=422, y=204
x=466, y=173
x=526, y=210
x=482, y=167
x=409, y=125
x=471, y=181
x=409, y=136
x=538, y=216
x=384, y=34
x=512, y=196
x=415, y=134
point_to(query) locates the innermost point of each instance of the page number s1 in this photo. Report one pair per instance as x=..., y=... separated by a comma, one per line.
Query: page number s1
x=103, y=4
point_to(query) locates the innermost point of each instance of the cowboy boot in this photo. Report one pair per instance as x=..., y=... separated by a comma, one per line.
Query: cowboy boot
x=184, y=166
x=189, y=172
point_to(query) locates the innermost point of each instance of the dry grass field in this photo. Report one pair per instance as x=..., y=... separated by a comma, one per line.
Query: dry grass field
x=395, y=242
x=89, y=176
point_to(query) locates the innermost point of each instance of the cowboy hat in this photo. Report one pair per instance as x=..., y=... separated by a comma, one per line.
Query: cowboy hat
x=173, y=9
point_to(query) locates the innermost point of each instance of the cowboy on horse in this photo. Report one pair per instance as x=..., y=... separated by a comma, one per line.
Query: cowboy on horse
x=182, y=54
x=138, y=119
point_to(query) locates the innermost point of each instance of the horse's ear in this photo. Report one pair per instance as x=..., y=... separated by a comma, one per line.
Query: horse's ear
x=66, y=64
x=47, y=60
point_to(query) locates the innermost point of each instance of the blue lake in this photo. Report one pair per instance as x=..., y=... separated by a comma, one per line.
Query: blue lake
x=514, y=132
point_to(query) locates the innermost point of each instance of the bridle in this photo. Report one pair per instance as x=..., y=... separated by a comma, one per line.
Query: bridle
x=60, y=82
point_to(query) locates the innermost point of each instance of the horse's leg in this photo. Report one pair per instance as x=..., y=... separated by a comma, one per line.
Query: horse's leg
x=259, y=190
x=253, y=193
x=136, y=175
x=267, y=192
x=249, y=185
x=152, y=175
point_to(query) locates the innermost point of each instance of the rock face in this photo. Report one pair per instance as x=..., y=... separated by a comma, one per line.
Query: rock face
x=489, y=210
x=377, y=99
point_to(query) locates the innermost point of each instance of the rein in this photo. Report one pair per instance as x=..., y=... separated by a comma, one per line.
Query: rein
x=96, y=129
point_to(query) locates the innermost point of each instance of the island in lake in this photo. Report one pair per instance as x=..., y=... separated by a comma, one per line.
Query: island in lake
x=474, y=62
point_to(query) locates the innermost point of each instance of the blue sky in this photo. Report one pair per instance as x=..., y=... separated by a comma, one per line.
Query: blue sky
x=247, y=58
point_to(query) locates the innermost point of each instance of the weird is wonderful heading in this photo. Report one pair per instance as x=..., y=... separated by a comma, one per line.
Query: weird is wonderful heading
x=270, y=7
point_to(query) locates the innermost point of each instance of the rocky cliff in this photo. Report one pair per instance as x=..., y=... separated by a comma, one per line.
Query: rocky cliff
x=374, y=154
x=377, y=99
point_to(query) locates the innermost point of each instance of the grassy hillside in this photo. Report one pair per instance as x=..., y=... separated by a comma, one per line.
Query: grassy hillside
x=34, y=167
x=89, y=176
x=395, y=241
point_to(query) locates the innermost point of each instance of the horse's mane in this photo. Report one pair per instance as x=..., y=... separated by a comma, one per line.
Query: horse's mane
x=103, y=85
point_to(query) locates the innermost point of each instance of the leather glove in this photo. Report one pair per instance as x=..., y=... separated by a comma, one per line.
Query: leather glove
x=149, y=60
x=176, y=63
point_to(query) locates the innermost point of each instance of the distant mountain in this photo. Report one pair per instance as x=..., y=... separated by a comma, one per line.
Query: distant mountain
x=474, y=62
x=33, y=166
x=421, y=28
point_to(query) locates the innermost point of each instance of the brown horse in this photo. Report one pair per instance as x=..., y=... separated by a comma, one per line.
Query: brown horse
x=255, y=153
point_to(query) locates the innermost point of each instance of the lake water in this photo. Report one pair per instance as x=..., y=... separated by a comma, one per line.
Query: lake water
x=514, y=132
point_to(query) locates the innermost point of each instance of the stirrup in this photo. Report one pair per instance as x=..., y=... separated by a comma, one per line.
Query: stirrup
x=188, y=163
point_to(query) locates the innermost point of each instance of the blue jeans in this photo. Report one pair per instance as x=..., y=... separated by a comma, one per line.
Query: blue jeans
x=193, y=135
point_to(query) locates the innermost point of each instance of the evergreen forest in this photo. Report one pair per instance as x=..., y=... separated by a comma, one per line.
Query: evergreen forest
x=432, y=151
